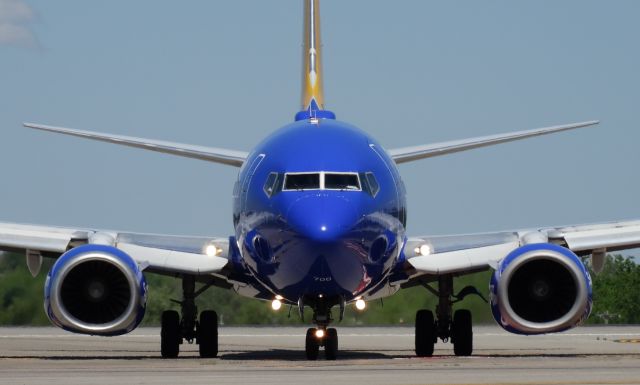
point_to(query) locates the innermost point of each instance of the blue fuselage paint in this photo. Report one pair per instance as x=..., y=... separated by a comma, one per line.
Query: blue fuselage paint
x=319, y=242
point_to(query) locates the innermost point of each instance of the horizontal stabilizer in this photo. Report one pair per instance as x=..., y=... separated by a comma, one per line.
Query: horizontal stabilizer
x=408, y=154
x=217, y=155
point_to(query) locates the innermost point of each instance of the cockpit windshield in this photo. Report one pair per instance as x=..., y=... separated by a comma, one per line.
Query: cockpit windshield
x=341, y=181
x=300, y=181
x=322, y=180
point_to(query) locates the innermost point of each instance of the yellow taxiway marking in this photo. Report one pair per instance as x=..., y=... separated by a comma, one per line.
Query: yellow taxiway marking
x=628, y=340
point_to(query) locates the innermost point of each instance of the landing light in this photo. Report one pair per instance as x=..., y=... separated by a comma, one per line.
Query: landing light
x=423, y=250
x=323, y=228
x=279, y=297
x=360, y=304
x=319, y=333
x=212, y=250
x=276, y=304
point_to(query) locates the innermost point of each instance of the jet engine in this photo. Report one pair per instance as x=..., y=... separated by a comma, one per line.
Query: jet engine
x=95, y=289
x=540, y=288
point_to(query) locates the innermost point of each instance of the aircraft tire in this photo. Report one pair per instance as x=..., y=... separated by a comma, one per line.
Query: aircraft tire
x=425, y=333
x=170, y=334
x=312, y=345
x=208, y=334
x=462, y=333
x=331, y=344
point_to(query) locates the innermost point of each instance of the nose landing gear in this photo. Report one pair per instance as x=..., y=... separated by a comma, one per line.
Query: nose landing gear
x=317, y=337
x=322, y=335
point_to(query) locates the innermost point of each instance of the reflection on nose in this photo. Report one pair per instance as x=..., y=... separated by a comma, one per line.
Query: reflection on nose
x=322, y=218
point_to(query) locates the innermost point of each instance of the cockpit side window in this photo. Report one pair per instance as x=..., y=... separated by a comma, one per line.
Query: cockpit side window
x=271, y=185
x=374, y=187
x=302, y=181
x=341, y=181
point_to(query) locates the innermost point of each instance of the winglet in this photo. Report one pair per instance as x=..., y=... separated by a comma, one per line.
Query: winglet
x=312, y=89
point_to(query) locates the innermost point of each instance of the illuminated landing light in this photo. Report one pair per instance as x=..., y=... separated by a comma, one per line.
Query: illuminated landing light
x=319, y=333
x=323, y=228
x=212, y=250
x=360, y=304
x=279, y=297
x=423, y=250
x=276, y=304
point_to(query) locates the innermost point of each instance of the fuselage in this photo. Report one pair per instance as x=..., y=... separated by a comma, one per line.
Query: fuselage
x=319, y=210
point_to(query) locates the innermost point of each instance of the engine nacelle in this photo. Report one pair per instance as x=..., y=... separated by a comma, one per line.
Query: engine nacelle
x=540, y=288
x=95, y=289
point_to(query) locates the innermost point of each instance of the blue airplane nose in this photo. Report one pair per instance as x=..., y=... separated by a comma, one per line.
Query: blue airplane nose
x=322, y=217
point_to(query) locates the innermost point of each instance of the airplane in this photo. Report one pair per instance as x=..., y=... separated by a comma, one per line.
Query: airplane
x=319, y=216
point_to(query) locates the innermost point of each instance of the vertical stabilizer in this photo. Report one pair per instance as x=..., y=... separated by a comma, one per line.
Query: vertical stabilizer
x=311, y=56
x=312, y=90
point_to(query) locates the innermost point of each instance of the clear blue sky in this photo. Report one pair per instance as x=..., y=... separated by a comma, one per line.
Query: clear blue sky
x=226, y=73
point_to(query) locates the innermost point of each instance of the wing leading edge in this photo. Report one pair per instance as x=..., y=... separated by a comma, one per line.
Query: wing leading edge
x=408, y=154
x=164, y=254
x=461, y=254
x=211, y=154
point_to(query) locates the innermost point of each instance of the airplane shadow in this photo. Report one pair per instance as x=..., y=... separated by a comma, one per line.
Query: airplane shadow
x=262, y=355
x=299, y=355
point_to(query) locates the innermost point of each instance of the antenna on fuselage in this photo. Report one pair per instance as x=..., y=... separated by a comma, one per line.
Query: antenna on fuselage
x=312, y=89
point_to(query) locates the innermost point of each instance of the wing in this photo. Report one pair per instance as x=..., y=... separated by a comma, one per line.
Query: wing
x=462, y=254
x=217, y=155
x=408, y=154
x=164, y=254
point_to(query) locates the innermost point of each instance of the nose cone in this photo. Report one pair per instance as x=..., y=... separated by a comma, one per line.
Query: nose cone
x=323, y=218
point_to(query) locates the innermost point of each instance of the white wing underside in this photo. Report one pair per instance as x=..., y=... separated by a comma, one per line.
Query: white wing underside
x=157, y=253
x=468, y=253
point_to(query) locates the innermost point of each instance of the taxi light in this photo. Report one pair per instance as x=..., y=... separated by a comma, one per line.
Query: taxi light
x=276, y=304
x=212, y=250
x=423, y=250
x=360, y=304
x=319, y=333
x=279, y=297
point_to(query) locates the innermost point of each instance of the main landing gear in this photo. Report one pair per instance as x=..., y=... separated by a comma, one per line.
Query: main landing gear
x=458, y=328
x=175, y=328
x=322, y=335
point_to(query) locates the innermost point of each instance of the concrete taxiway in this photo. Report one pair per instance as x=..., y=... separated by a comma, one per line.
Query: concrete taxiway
x=368, y=355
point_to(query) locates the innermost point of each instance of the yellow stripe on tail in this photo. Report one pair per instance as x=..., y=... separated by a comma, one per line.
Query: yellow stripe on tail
x=311, y=53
